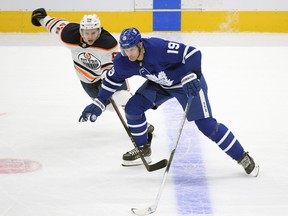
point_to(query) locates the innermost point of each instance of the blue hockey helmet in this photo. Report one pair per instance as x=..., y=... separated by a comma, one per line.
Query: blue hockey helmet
x=129, y=37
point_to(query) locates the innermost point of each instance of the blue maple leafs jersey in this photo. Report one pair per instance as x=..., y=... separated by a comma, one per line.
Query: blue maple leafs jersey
x=165, y=62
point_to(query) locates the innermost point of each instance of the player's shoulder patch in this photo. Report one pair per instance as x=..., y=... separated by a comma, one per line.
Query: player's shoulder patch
x=70, y=34
x=105, y=41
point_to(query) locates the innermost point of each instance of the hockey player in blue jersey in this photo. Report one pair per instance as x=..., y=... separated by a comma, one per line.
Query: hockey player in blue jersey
x=172, y=70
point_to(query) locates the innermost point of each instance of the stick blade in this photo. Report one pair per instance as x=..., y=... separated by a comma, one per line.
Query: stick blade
x=144, y=211
x=159, y=165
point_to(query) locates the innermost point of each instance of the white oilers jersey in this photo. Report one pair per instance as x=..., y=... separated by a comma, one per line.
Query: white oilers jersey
x=90, y=61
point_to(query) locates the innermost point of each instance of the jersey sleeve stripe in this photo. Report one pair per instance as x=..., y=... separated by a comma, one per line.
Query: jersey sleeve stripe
x=113, y=83
x=52, y=23
x=108, y=89
x=187, y=55
x=184, y=54
x=48, y=21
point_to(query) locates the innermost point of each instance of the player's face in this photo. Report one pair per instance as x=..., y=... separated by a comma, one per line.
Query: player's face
x=133, y=53
x=90, y=35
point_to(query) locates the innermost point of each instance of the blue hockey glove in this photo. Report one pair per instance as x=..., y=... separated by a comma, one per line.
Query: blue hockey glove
x=191, y=85
x=92, y=111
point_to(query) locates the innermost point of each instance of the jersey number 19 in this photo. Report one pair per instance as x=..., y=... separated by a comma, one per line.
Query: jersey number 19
x=173, y=47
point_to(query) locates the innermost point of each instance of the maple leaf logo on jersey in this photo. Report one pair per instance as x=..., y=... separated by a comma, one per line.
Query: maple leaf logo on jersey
x=160, y=79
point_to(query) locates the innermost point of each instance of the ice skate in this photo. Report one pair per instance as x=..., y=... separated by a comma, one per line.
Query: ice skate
x=249, y=165
x=132, y=158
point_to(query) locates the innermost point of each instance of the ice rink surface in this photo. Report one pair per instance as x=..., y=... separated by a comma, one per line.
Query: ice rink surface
x=67, y=168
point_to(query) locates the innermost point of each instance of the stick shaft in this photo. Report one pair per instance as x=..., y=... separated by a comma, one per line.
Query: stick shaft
x=151, y=209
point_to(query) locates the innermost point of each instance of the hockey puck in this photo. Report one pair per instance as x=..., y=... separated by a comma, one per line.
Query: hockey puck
x=14, y=166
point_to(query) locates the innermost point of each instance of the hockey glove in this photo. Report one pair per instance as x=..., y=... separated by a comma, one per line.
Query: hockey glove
x=38, y=14
x=92, y=111
x=191, y=85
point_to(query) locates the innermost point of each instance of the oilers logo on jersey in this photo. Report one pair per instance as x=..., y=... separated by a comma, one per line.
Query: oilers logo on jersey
x=89, y=60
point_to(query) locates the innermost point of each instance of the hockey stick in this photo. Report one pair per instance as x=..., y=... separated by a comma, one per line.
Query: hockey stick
x=151, y=209
x=152, y=167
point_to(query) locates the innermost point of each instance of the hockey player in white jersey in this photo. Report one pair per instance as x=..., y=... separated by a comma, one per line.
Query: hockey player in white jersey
x=92, y=48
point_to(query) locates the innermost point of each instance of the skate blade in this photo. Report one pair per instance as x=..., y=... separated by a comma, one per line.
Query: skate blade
x=255, y=171
x=137, y=162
